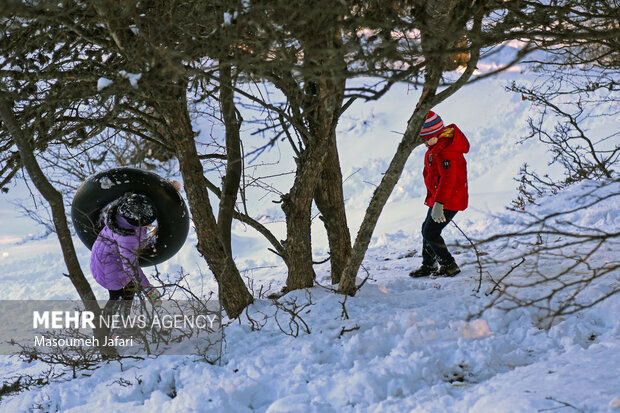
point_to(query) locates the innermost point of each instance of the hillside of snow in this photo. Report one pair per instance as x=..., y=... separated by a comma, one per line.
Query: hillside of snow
x=402, y=344
x=407, y=345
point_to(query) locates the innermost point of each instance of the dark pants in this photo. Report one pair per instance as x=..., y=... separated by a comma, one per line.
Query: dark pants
x=120, y=300
x=433, y=246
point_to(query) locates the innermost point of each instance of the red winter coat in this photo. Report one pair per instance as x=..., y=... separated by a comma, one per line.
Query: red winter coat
x=445, y=172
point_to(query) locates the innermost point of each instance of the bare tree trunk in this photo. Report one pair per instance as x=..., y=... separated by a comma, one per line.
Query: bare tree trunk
x=54, y=198
x=232, y=179
x=324, y=91
x=329, y=199
x=233, y=293
x=297, y=206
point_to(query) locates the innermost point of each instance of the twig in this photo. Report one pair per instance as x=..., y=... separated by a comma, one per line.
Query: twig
x=296, y=322
x=565, y=404
x=344, y=315
x=322, y=261
x=348, y=330
x=497, y=283
x=477, y=256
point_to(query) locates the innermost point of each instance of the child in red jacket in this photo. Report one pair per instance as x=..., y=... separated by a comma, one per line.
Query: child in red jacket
x=445, y=176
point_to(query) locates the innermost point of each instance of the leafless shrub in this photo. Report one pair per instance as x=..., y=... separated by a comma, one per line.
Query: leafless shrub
x=293, y=309
x=262, y=292
x=23, y=382
x=74, y=358
x=179, y=299
x=575, y=91
x=255, y=324
x=555, y=265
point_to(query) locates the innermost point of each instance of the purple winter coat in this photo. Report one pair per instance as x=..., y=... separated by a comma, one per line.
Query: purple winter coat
x=114, y=258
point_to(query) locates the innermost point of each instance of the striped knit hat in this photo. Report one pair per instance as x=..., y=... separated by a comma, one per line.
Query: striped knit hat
x=432, y=126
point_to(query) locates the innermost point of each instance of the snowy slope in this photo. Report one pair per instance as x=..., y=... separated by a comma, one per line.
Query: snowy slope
x=411, y=348
x=412, y=345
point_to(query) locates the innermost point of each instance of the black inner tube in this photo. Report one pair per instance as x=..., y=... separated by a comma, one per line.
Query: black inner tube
x=100, y=189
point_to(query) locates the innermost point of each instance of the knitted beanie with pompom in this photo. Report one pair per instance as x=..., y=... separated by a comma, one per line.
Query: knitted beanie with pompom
x=432, y=127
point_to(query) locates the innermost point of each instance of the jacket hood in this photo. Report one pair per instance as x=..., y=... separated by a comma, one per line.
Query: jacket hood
x=459, y=141
x=117, y=223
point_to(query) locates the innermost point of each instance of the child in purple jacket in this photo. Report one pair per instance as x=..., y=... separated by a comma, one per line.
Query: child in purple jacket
x=115, y=253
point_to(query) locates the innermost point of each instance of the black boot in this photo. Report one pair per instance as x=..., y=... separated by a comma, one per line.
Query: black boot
x=448, y=270
x=423, y=271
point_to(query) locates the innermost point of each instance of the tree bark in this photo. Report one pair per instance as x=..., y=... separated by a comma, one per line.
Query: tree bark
x=55, y=200
x=329, y=199
x=324, y=90
x=297, y=206
x=232, y=179
x=233, y=293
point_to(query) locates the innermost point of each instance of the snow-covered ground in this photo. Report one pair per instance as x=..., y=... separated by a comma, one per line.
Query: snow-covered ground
x=407, y=345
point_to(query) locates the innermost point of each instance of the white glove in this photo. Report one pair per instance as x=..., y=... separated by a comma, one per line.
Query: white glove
x=437, y=213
